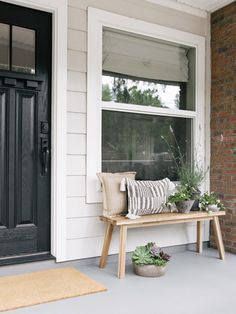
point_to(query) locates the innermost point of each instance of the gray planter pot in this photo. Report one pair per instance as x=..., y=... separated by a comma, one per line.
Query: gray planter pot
x=184, y=206
x=213, y=208
x=149, y=270
x=195, y=197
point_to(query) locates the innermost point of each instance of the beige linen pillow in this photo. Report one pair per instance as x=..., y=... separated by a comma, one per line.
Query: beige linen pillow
x=114, y=201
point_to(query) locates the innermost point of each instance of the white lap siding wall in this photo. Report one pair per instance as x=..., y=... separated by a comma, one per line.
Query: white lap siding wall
x=84, y=230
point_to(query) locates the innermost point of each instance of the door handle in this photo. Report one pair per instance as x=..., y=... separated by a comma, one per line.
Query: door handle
x=45, y=160
x=45, y=152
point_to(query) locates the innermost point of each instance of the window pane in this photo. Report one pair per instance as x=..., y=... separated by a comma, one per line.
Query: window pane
x=4, y=46
x=23, y=50
x=134, y=142
x=146, y=93
x=146, y=71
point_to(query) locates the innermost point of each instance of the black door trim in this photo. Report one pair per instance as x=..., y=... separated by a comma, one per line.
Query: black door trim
x=26, y=258
x=25, y=100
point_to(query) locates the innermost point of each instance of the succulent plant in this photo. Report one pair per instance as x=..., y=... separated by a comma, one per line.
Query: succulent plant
x=165, y=256
x=141, y=256
x=155, y=250
x=150, y=254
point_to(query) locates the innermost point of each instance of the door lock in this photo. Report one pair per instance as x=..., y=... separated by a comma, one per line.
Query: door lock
x=44, y=127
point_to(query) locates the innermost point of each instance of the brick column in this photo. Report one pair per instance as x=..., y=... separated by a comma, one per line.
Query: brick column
x=223, y=117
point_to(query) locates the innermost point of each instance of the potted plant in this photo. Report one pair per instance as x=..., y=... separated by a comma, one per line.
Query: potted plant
x=182, y=199
x=210, y=202
x=190, y=175
x=149, y=260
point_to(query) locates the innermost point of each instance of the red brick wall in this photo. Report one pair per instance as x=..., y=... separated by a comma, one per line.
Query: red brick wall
x=223, y=117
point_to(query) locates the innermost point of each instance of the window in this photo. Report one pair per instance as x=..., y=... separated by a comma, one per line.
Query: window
x=17, y=49
x=146, y=71
x=4, y=46
x=133, y=141
x=130, y=90
x=23, y=50
x=143, y=80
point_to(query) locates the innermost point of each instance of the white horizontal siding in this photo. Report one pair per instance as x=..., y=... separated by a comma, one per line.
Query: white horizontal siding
x=76, y=102
x=77, y=207
x=76, y=81
x=76, y=186
x=93, y=227
x=77, y=19
x=149, y=12
x=76, y=122
x=84, y=230
x=77, y=40
x=83, y=248
x=77, y=61
x=76, y=165
x=85, y=227
x=82, y=4
x=163, y=235
x=76, y=144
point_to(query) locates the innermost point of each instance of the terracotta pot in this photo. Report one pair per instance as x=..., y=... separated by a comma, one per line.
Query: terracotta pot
x=184, y=206
x=149, y=270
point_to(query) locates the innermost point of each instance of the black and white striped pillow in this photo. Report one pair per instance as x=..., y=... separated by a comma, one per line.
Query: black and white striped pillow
x=147, y=197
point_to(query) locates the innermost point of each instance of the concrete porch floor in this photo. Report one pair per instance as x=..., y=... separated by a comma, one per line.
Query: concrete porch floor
x=193, y=284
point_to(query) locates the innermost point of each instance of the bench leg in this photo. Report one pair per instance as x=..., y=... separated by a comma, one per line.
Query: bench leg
x=218, y=235
x=106, y=245
x=122, y=252
x=199, y=236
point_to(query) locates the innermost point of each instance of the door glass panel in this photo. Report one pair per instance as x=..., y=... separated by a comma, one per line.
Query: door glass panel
x=23, y=50
x=4, y=46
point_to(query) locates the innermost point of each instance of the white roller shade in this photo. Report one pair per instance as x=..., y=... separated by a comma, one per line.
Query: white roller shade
x=143, y=57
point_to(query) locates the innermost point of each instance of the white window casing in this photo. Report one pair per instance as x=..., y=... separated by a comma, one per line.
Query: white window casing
x=99, y=19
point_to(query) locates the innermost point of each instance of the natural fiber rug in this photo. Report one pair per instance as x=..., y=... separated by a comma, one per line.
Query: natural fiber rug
x=44, y=286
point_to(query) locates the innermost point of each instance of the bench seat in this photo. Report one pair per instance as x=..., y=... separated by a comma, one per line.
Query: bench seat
x=154, y=220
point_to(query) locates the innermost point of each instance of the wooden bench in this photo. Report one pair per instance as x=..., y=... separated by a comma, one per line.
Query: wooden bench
x=154, y=220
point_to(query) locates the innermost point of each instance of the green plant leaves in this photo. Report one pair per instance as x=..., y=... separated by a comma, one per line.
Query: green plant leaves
x=210, y=199
x=141, y=256
x=144, y=255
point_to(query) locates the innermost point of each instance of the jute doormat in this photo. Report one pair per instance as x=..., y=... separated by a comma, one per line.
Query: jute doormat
x=44, y=286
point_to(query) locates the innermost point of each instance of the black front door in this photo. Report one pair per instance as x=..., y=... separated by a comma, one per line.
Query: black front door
x=25, y=96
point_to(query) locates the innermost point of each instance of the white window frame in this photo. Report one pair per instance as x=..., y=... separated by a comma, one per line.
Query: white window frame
x=58, y=126
x=97, y=19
